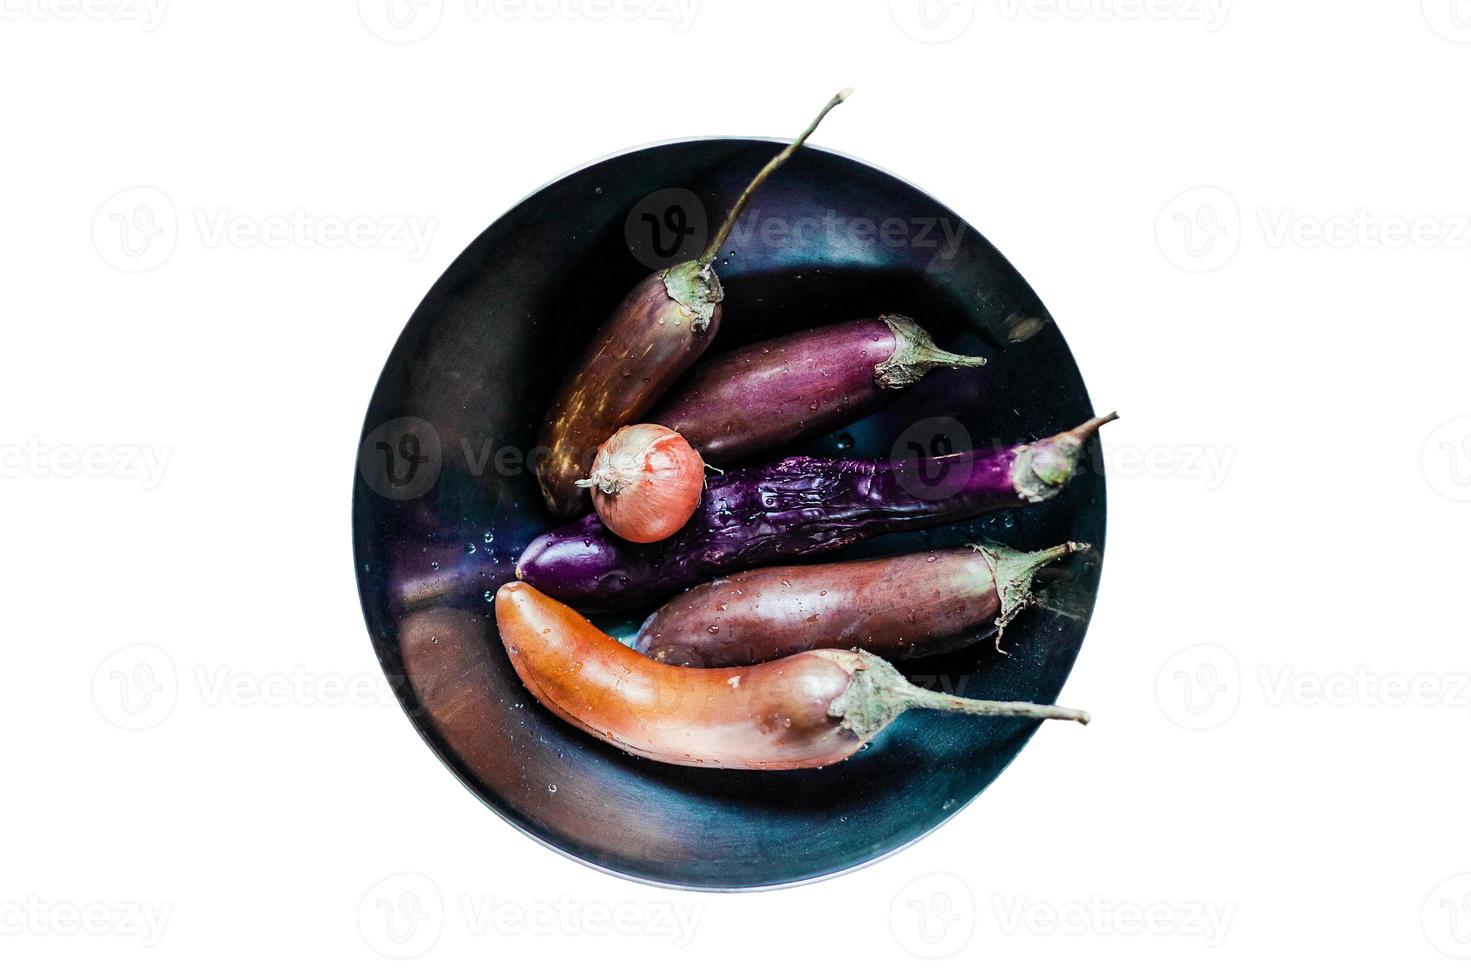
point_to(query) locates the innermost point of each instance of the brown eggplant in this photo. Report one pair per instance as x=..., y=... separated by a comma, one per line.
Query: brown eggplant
x=653, y=337
x=895, y=607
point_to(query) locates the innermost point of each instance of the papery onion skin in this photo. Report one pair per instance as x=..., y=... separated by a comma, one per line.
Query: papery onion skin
x=646, y=482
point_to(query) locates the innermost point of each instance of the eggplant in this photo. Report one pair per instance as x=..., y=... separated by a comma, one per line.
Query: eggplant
x=771, y=393
x=798, y=506
x=814, y=709
x=657, y=332
x=897, y=608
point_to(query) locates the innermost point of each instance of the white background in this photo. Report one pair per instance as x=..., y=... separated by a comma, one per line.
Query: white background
x=1276, y=776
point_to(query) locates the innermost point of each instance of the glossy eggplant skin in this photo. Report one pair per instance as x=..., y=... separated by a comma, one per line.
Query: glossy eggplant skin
x=776, y=716
x=898, y=607
x=798, y=506
x=648, y=342
x=771, y=393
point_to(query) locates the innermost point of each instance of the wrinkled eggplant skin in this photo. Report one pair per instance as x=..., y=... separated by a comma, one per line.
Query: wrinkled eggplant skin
x=763, y=515
x=901, y=607
x=642, y=349
x=776, y=392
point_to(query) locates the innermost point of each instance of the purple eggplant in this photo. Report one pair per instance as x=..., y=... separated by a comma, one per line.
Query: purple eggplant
x=796, y=507
x=899, y=607
x=771, y=393
x=653, y=337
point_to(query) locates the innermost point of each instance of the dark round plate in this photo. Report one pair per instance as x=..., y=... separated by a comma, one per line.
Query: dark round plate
x=443, y=501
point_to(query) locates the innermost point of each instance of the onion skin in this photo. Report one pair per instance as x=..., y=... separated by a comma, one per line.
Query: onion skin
x=898, y=608
x=648, y=342
x=767, y=394
x=646, y=482
x=811, y=709
x=796, y=507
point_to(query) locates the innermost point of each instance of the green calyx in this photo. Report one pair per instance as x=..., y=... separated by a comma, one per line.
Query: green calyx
x=1012, y=573
x=878, y=694
x=1042, y=468
x=915, y=355
x=697, y=288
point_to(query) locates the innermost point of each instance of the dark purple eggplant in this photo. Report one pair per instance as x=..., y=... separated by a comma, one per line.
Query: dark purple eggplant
x=771, y=393
x=653, y=337
x=899, y=607
x=796, y=507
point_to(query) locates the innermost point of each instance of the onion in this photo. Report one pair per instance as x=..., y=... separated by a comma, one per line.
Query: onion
x=646, y=482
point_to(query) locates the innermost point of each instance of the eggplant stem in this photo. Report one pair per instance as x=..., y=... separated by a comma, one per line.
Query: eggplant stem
x=915, y=354
x=1042, y=468
x=921, y=698
x=878, y=693
x=1012, y=574
x=718, y=242
x=1092, y=426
